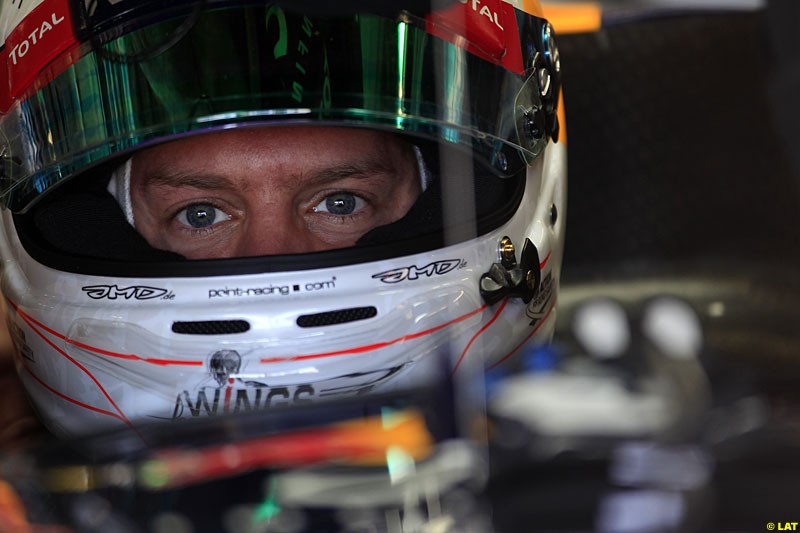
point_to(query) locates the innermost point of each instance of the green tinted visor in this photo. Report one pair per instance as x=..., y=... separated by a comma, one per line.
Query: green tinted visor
x=215, y=68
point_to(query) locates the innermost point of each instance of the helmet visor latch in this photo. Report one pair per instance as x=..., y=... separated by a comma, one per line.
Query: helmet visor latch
x=508, y=278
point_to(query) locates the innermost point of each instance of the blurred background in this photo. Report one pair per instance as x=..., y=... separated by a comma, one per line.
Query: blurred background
x=683, y=169
x=684, y=181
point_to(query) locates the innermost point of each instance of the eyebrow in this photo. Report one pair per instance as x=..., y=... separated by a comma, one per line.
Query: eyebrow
x=199, y=180
x=363, y=169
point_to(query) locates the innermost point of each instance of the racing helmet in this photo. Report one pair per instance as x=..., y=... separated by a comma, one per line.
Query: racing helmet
x=112, y=328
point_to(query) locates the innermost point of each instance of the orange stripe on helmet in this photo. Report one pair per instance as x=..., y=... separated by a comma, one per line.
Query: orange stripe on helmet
x=574, y=17
x=562, y=119
x=531, y=7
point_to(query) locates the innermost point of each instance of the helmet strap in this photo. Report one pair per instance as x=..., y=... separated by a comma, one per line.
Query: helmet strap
x=119, y=186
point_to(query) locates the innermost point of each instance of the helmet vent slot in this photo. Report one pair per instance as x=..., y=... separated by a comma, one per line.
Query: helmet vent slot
x=342, y=316
x=211, y=327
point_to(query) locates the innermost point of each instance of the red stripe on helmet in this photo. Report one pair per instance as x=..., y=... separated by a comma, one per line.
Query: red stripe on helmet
x=80, y=366
x=376, y=346
x=73, y=400
x=521, y=344
x=479, y=333
x=100, y=351
x=133, y=357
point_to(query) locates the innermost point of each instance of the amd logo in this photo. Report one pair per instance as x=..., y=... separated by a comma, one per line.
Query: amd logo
x=112, y=292
x=437, y=268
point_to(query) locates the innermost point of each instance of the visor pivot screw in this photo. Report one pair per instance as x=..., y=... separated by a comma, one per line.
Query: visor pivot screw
x=533, y=123
x=502, y=161
x=531, y=280
x=543, y=77
x=507, y=253
x=550, y=48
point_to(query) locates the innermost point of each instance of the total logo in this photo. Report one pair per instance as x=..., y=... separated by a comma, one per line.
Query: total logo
x=34, y=37
x=484, y=10
x=35, y=33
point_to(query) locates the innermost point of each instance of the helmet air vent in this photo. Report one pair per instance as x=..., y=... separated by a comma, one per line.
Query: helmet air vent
x=342, y=316
x=211, y=327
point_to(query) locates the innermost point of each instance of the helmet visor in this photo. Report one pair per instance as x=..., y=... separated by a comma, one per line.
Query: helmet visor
x=218, y=67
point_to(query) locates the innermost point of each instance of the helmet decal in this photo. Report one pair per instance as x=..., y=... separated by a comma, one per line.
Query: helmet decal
x=223, y=364
x=34, y=35
x=490, y=28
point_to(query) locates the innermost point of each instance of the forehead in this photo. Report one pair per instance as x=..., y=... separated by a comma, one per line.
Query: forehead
x=284, y=156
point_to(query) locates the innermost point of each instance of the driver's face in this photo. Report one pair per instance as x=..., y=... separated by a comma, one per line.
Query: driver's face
x=271, y=191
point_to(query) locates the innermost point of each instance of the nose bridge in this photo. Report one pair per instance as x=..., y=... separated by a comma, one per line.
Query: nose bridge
x=274, y=235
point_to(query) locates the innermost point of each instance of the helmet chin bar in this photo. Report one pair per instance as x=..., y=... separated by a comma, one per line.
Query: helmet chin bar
x=509, y=278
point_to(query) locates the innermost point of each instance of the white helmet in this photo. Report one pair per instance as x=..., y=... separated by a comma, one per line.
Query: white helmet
x=113, y=329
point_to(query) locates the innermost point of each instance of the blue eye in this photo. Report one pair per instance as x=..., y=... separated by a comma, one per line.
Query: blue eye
x=341, y=204
x=199, y=216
